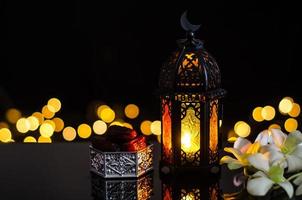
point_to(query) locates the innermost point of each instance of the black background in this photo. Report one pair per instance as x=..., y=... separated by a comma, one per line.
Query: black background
x=82, y=51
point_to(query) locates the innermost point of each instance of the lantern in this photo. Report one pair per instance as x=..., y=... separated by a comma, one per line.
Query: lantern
x=191, y=106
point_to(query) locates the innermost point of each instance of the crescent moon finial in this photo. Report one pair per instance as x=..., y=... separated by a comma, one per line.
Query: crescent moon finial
x=186, y=25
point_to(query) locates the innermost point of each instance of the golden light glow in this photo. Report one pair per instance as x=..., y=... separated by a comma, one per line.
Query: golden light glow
x=33, y=123
x=146, y=127
x=47, y=113
x=156, y=127
x=42, y=139
x=242, y=129
x=100, y=109
x=55, y=104
x=257, y=114
x=268, y=113
x=29, y=139
x=274, y=126
x=39, y=116
x=125, y=124
x=5, y=135
x=59, y=124
x=190, y=196
x=84, y=131
x=3, y=125
x=291, y=125
x=99, y=127
x=52, y=123
x=190, y=134
x=131, y=111
x=166, y=133
x=295, y=111
x=107, y=115
x=158, y=137
x=286, y=105
x=213, y=140
x=23, y=125
x=69, y=133
x=12, y=115
x=46, y=130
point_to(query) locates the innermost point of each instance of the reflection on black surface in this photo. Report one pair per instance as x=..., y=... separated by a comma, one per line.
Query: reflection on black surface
x=122, y=189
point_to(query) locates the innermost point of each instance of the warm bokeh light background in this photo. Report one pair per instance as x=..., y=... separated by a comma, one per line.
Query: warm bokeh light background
x=70, y=75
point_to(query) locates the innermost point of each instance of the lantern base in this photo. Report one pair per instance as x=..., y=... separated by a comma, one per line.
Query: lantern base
x=167, y=170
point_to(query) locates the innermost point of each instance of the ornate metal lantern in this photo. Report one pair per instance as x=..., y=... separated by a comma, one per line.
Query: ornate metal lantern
x=191, y=106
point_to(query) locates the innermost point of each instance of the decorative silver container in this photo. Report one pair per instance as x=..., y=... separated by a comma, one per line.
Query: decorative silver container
x=121, y=164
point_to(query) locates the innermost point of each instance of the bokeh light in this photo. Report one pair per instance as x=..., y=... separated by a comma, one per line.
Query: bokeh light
x=84, y=131
x=268, y=113
x=5, y=135
x=42, y=139
x=23, y=125
x=46, y=129
x=12, y=115
x=55, y=104
x=146, y=127
x=100, y=109
x=257, y=116
x=3, y=125
x=59, y=124
x=39, y=116
x=274, y=126
x=242, y=129
x=29, y=139
x=99, y=127
x=52, y=123
x=291, y=125
x=286, y=105
x=131, y=111
x=69, y=133
x=156, y=127
x=107, y=115
x=33, y=123
x=295, y=111
x=47, y=113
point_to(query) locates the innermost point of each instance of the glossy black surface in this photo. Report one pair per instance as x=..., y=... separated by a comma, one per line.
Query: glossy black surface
x=61, y=171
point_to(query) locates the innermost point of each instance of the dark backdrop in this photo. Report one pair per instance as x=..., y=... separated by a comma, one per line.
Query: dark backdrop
x=81, y=51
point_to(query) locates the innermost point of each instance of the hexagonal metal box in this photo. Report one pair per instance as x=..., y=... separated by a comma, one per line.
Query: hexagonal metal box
x=122, y=163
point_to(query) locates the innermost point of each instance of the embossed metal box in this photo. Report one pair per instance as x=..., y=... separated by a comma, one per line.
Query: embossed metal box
x=121, y=164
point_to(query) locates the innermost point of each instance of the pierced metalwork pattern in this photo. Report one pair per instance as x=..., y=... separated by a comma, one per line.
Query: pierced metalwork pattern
x=121, y=164
x=189, y=71
x=192, y=194
x=214, y=77
x=214, y=192
x=167, y=73
x=124, y=189
x=189, y=97
x=190, y=159
x=185, y=106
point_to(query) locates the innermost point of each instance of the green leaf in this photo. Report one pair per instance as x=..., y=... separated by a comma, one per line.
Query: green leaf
x=276, y=174
x=233, y=166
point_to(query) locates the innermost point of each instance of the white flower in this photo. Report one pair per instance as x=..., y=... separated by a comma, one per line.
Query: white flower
x=298, y=181
x=262, y=181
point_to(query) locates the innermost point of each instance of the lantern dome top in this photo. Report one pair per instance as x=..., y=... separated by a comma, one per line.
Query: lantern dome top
x=190, y=68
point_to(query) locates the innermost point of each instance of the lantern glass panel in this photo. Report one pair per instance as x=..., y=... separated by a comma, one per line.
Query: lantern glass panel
x=214, y=126
x=167, y=132
x=190, y=133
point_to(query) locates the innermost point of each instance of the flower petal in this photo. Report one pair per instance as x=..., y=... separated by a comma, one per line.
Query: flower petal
x=263, y=138
x=298, y=151
x=259, y=186
x=288, y=187
x=235, y=152
x=259, y=161
x=297, y=135
x=294, y=163
x=298, y=180
x=299, y=190
x=242, y=144
x=278, y=137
